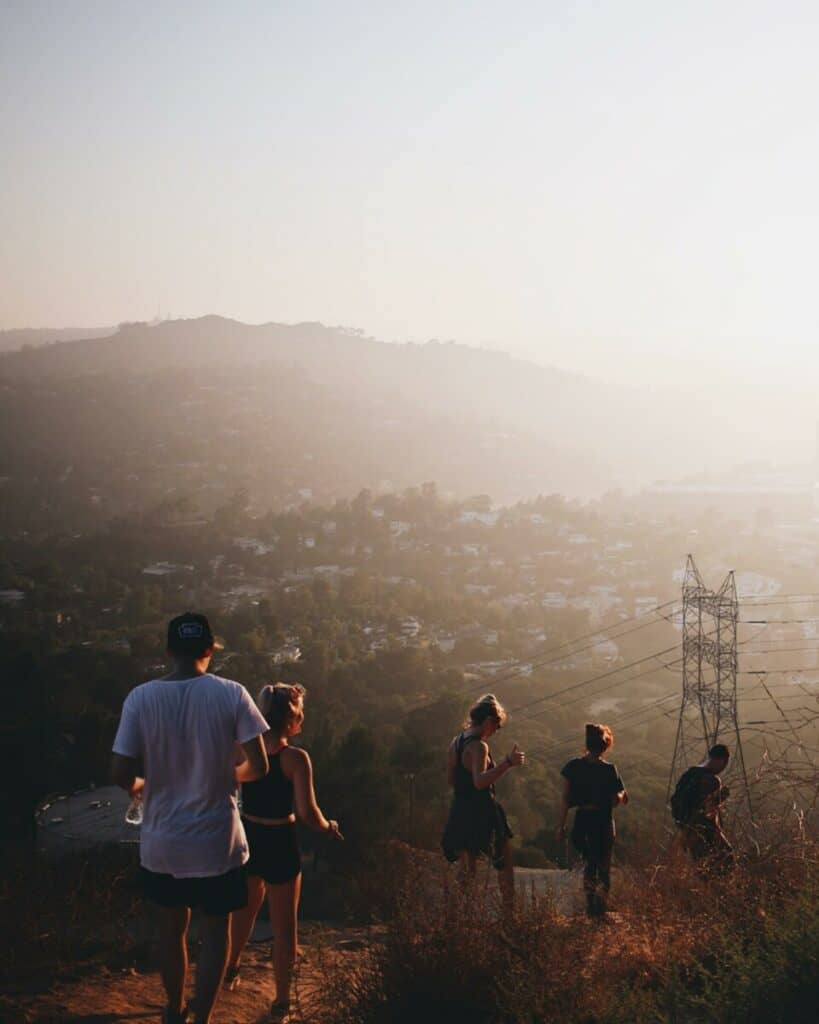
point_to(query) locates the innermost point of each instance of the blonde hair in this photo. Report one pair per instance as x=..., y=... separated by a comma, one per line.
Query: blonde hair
x=599, y=738
x=281, y=703
x=487, y=706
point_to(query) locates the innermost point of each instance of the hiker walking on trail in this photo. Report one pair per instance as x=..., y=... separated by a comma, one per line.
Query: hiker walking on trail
x=477, y=823
x=275, y=861
x=176, y=750
x=696, y=806
x=594, y=788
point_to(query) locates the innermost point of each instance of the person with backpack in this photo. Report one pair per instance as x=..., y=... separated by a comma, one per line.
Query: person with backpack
x=594, y=788
x=696, y=808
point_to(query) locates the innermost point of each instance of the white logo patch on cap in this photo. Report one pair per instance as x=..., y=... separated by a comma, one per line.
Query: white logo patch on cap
x=191, y=631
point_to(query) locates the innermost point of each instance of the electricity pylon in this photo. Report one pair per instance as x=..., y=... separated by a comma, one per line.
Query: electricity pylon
x=708, y=712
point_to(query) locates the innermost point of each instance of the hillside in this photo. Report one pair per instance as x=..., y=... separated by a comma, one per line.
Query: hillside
x=447, y=378
x=479, y=420
x=33, y=337
x=210, y=406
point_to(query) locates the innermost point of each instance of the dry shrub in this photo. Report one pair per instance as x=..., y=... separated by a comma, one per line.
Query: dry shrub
x=60, y=912
x=448, y=952
x=676, y=947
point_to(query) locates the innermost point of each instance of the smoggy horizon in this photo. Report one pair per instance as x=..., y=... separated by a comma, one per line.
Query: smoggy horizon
x=622, y=193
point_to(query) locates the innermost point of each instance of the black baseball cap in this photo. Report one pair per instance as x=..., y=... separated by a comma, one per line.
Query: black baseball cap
x=191, y=634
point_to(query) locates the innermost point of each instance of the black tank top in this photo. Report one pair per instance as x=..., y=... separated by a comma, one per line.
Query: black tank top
x=464, y=786
x=272, y=795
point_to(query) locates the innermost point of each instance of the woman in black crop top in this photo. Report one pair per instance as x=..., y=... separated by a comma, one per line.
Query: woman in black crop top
x=594, y=788
x=270, y=824
x=477, y=823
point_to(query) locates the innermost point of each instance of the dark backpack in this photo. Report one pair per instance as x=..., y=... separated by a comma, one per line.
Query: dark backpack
x=687, y=796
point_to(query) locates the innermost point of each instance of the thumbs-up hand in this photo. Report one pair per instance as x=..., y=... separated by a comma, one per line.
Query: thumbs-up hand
x=516, y=758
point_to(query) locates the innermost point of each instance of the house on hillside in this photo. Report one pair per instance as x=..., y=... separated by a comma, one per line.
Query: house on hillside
x=258, y=547
x=484, y=518
x=165, y=569
x=645, y=605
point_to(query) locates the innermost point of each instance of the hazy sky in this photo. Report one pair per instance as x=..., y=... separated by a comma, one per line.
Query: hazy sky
x=595, y=184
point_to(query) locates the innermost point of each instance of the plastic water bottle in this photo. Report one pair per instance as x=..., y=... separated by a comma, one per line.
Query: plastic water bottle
x=133, y=815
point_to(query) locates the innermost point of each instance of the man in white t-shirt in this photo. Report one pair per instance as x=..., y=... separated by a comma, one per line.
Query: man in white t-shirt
x=176, y=749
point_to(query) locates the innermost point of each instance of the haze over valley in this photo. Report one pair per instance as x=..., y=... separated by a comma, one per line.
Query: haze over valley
x=437, y=354
x=203, y=406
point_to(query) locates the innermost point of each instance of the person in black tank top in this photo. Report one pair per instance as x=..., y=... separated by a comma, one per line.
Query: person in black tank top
x=269, y=807
x=594, y=788
x=477, y=823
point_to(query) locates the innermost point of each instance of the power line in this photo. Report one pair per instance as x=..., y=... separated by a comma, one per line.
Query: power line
x=777, y=622
x=629, y=717
x=538, y=662
x=527, y=665
x=667, y=666
x=777, y=671
x=594, y=679
x=782, y=650
x=639, y=675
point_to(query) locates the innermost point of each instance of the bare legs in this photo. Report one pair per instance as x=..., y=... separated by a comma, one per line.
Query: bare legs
x=173, y=943
x=283, y=902
x=468, y=868
x=242, y=921
x=173, y=953
x=210, y=967
x=506, y=877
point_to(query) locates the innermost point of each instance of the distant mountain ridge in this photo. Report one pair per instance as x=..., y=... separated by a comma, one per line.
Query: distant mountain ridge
x=19, y=337
x=578, y=422
x=448, y=377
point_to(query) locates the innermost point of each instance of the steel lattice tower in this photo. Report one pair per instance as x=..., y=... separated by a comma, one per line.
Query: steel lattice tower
x=708, y=712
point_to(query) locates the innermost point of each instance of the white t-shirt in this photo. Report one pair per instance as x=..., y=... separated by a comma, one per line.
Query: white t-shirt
x=185, y=733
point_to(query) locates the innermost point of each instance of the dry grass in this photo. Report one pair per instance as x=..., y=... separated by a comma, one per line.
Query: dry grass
x=677, y=947
x=58, y=914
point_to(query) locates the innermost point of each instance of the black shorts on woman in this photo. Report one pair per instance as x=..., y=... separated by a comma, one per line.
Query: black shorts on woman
x=274, y=848
x=274, y=851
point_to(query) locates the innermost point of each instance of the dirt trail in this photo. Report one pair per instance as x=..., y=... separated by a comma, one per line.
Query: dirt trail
x=105, y=996
x=99, y=994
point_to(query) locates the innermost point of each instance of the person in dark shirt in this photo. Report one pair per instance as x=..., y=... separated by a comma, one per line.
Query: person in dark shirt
x=477, y=823
x=594, y=788
x=697, y=806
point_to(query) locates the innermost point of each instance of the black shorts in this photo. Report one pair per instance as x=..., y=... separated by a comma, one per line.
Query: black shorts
x=215, y=895
x=274, y=852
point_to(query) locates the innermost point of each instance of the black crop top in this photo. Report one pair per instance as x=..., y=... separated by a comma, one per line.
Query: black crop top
x=272, y=795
